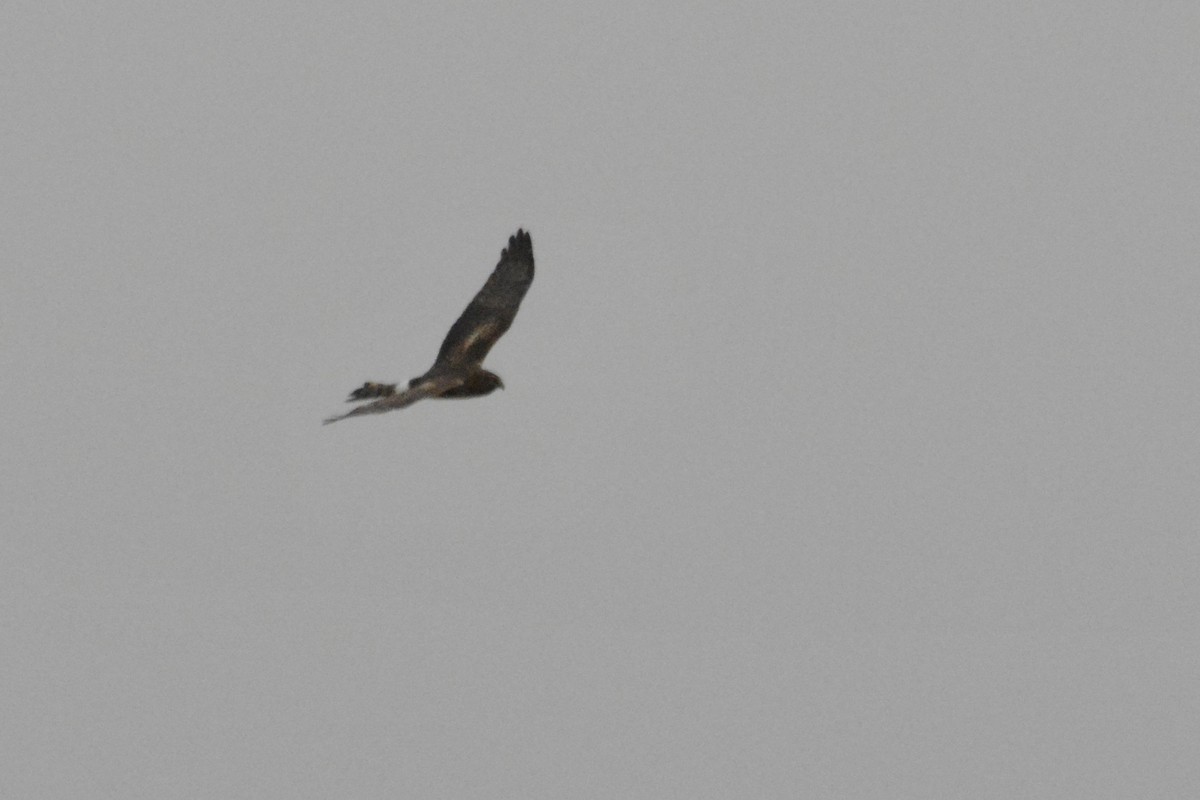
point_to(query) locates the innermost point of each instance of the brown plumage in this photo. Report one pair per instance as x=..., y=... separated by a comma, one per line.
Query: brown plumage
x=458, y=370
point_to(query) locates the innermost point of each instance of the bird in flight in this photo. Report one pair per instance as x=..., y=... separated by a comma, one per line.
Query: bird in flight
x=458, y=370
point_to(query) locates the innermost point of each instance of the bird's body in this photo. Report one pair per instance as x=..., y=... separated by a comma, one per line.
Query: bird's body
x=458, y=370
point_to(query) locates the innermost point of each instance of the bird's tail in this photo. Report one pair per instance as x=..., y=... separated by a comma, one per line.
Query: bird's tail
x=370, y=390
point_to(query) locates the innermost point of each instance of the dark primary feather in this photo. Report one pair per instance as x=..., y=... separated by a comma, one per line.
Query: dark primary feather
x=492, y=311
x=457, y=372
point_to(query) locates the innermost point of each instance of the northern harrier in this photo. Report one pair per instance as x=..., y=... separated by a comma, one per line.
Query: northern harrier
x=458, y=370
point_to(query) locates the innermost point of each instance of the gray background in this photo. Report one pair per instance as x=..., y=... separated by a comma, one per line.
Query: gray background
x=849, y=447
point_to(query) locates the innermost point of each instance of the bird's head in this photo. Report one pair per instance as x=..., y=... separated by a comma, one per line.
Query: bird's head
x=477, y=382
x=487, y=382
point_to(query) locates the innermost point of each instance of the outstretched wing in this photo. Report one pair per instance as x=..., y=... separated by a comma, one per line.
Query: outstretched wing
x=492, y=311
x=429, y=387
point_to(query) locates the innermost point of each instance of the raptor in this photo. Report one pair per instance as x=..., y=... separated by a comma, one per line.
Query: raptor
x=458, y=370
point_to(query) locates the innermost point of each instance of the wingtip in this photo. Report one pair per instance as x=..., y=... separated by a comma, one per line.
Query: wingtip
x=519, y=242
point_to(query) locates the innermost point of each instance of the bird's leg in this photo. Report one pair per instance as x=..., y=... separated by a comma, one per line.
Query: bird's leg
x=371, y=389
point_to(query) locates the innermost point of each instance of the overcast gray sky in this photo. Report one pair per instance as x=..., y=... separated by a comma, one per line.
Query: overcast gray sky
x=849, y=445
